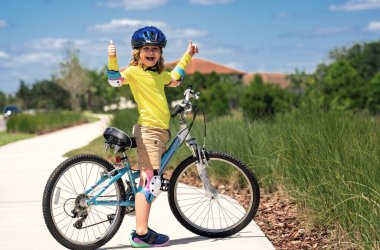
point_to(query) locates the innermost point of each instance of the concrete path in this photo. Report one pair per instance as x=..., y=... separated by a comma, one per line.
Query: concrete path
x=2, y=123
x=24, y=169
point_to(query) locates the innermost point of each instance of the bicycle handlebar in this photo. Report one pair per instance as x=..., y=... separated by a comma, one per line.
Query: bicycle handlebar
x=177, y=109
x=186, y=105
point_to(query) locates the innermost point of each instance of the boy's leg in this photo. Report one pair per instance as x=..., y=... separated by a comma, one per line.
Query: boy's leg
x=142, y=207
x=150, y=146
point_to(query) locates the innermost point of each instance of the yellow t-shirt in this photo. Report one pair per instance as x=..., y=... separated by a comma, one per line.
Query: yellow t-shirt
x=148, y=91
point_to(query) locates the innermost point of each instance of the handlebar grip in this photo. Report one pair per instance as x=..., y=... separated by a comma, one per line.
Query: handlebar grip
x=178, y=109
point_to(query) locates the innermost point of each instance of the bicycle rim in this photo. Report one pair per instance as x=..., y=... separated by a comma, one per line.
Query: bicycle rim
x=100, y=221
x=232, y=206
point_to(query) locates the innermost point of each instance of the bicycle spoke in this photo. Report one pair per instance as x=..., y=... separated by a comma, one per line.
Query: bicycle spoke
x=71, y=178
x=71, y=188
x=202, y=211
x=209, y=206
x=80, y=179
x=233, y=205
x=197, y=207
x=95, y=222
x=222, y=207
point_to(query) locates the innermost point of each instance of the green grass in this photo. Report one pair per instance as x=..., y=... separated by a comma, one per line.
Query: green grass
x=44, y=122
x=25, y=126
x=6, y=138
x=123, y=120
x=328, y=162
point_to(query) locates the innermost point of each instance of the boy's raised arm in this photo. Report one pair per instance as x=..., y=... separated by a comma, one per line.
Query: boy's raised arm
x=114, y=77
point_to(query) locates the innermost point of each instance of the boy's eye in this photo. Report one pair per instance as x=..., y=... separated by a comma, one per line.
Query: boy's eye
x=154, y=50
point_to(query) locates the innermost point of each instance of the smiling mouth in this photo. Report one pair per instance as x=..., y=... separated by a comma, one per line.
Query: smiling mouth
x=151, y=59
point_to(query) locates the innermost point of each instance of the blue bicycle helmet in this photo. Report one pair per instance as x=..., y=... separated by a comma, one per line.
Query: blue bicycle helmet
x=148, y=35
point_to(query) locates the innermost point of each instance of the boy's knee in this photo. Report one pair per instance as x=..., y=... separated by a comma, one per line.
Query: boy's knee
x=151, y=185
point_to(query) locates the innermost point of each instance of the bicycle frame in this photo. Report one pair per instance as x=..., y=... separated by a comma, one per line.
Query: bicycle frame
x=183, y=134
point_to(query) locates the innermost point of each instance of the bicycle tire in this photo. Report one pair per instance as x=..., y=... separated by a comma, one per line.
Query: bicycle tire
x=61, y=185
x=224, y=195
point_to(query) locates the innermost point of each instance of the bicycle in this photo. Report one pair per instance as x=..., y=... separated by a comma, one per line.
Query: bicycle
x=212, y=194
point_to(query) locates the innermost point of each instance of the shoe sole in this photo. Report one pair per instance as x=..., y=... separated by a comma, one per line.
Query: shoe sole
x=142, y=244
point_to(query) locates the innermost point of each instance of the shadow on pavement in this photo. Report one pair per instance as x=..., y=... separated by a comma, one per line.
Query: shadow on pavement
x=189, y=240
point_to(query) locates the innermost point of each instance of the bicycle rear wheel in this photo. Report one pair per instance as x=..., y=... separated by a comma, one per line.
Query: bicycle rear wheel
x=231, y=208
x=72, y=223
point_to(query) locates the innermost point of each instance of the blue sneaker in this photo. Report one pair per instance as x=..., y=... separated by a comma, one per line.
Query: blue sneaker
x=150, y=239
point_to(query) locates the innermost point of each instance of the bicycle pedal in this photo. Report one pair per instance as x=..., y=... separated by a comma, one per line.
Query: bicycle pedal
x=130, y=211
x=164, y=184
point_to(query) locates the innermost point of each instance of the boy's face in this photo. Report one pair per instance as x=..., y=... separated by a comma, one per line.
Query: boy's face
x=150, y=55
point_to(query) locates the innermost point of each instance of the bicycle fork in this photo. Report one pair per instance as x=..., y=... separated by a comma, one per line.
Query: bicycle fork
x=201, y=163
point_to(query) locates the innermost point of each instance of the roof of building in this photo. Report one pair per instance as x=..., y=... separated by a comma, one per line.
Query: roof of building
x=276, y=78
x=204, y=66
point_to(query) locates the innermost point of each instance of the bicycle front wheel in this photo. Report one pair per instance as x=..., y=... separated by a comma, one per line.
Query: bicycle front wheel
x=68, y=218
x=232, y=204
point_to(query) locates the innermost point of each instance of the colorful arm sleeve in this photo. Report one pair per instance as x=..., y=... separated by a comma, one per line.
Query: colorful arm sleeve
x=112, y=64
x=114, y=77
x=179, y=71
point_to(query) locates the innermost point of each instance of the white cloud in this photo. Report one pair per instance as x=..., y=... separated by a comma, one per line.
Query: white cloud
x=373, y=26
x=354, y=5
x=56, y=43
x=31, y=58
x=189, y=33
x=210, y=2
x=134, y=4
x=3, y=55
x=217, y=51
x=125, y=24
x=3, y=24
x=37, y=58
x=284, y=15
x=326, y=31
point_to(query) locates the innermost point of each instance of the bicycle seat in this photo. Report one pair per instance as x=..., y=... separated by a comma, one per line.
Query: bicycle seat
x=116, y=137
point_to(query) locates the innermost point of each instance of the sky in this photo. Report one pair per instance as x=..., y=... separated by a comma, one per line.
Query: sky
x=249, y=35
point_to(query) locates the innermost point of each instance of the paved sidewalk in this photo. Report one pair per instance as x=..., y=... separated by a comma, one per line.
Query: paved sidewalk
x=24, y=169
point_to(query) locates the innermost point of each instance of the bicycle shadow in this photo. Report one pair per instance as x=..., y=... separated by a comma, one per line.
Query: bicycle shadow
x=188, y=240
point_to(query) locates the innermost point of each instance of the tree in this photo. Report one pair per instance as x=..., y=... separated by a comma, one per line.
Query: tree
x=342, y=87
x=216, y=102
x=100, y=93
x=74, y=79
x=374, y=95
x=265, y=100
x=364, y=58
x=48, y=95
x=3, y=100
x=24, y=95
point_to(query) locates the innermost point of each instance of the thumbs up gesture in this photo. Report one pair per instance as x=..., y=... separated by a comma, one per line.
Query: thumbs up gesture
x=111, y=49
x=192, y=48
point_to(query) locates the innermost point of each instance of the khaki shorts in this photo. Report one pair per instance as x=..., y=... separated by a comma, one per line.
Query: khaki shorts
x=151, y=143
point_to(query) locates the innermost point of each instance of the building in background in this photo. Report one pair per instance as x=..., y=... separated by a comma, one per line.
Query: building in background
x=204, y=66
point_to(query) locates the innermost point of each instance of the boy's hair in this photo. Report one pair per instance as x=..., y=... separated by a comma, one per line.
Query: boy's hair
x=136, y=61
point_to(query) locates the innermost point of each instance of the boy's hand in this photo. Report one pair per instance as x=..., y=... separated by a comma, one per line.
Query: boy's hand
x=192, y=48
x=111, y=49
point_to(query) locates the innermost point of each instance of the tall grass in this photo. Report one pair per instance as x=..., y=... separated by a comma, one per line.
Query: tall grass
x=329, y=162
x=43, y=122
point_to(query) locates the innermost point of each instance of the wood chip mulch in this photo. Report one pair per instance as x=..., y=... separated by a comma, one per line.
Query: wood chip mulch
x=284, y=224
